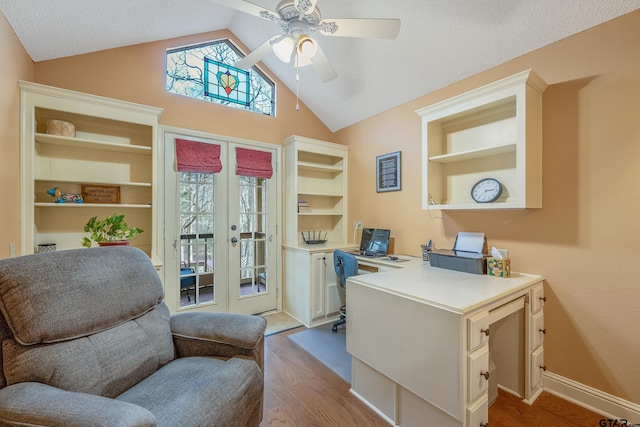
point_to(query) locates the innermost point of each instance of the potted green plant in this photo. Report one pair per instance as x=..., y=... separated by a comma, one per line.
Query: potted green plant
x=112, y=230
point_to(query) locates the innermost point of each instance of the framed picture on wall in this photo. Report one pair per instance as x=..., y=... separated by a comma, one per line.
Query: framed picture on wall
x=388, y=172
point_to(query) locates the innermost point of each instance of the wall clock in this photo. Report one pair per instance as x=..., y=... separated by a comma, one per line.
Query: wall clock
x=486, y=190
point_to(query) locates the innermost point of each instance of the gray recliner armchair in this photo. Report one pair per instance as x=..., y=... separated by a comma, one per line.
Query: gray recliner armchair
x=88, y=341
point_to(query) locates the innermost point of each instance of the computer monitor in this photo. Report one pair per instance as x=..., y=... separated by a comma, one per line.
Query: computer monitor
x=375, y=242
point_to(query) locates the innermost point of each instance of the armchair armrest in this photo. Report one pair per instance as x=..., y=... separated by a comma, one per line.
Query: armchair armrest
x=38, y=404
x=219, y=334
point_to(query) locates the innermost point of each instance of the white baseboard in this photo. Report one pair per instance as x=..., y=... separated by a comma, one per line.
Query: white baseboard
x=373, y=408
x=602, y=403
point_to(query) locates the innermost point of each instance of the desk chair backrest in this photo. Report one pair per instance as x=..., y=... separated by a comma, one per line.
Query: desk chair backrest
x=345, y=265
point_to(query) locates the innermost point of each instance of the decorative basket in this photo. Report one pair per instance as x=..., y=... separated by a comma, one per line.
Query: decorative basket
x=46, y=247
x=61, y=128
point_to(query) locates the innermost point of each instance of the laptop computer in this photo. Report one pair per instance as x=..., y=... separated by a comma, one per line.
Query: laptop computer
x=374, y=242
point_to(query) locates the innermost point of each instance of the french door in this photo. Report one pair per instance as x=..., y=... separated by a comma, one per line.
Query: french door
x=220, y=236
x=252, y=248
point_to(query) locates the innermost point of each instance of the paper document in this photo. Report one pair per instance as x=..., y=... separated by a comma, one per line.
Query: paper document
x=469, y=242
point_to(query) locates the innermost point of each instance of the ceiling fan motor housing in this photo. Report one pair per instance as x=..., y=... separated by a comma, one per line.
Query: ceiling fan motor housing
x=291, y=16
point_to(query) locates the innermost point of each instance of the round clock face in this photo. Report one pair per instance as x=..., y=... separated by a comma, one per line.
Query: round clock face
x=486, y=190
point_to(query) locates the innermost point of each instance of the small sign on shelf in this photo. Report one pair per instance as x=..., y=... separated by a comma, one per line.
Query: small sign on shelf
x=105, y=194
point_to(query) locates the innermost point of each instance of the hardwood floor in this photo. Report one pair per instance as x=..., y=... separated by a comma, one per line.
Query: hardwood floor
x=547, y=411
x=301, y=392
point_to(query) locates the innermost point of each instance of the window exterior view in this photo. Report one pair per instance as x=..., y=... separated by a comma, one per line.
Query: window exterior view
x=206, y=72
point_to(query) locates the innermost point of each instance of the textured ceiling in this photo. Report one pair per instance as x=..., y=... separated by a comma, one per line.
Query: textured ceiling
x=440, y=41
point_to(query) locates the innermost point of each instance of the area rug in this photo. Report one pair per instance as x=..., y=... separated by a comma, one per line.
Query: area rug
x=280, y=322
x=328, y=347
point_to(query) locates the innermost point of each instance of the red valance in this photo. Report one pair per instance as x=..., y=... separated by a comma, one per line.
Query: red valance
x=253, y=163
x=194, y=156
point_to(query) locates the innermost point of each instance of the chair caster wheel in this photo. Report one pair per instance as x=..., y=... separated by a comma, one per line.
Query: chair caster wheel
x=334, y=329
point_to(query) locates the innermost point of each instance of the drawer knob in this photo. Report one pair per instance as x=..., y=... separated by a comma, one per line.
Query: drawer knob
x=543, y=367
x=544, y=331
x=543, y=299
x=484, y=424
x=485, y=375
x=485, y=331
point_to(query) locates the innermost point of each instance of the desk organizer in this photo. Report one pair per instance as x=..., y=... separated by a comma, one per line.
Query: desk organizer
x=499, y=267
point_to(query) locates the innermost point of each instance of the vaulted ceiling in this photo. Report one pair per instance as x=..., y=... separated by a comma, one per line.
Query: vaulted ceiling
x=440, y=41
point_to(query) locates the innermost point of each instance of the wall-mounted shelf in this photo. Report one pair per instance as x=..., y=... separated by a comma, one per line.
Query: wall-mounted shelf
x=474, y=154
x=492, y=132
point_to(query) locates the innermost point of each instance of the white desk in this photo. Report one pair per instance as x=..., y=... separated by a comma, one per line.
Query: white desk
x=311, y=292
x=419, y=338
x=367, y=264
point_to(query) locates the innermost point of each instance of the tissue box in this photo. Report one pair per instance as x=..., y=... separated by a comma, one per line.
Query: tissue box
x=499, y=267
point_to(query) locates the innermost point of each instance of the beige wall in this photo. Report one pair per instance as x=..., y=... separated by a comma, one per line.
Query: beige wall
x=16, y=65
x=586, y=239
x=137, y=74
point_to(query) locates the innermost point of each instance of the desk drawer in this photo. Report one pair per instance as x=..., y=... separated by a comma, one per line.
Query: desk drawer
x=537, y=330
x=537, y=299
x=477, y=330
x=537, y=367
x=478, y=413
x=478, y=373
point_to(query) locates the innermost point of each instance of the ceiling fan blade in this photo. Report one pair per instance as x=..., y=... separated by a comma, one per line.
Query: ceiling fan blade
x=375, y=28
x=250, y=8
x=305, y=7
x=258, y=53
x=323, y=67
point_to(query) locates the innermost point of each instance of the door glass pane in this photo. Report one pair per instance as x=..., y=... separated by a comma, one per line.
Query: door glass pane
x=197, y=243
x=253, y=235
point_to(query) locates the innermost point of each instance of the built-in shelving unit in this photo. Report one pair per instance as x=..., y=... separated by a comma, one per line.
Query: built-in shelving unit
x=316, y=174
x=315, y=202
x=492, y=132
x=114, y=146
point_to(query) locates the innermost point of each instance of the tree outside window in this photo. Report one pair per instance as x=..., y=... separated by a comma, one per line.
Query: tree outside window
x=186, y=76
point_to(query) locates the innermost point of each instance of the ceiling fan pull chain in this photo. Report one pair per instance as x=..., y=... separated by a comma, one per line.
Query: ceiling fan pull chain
x=297, y=83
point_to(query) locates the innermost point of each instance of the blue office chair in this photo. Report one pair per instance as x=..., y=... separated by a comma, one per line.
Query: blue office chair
x=345, y=265
x=187, y=280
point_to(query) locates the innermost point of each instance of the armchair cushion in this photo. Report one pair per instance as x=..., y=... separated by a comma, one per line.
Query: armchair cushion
x=236, y=330
x=44, y=297
x=219, y=334
x=106, y=363
x=36, y=404
x=195, y=391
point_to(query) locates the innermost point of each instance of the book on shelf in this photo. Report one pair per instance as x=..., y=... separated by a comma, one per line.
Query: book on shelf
x=303, y=206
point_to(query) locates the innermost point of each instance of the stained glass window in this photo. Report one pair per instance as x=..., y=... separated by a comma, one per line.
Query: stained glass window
x=225, y=82
x=206, y=72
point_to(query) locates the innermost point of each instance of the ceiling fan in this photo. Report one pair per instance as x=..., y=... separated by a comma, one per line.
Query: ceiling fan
x=298, y=19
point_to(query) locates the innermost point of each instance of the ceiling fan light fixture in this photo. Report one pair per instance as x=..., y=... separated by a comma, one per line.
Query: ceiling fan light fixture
x=306, y=49
x=283, y=49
